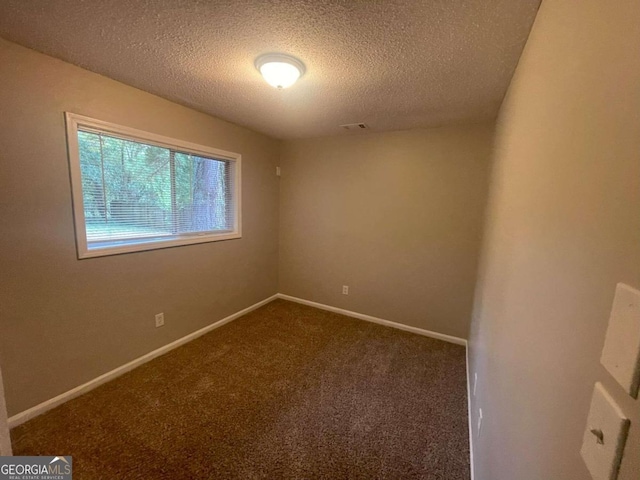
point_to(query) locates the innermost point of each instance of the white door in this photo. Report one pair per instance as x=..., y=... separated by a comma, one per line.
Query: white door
x=5, y=439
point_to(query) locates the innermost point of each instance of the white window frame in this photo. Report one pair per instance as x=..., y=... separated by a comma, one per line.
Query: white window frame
x=74, y=121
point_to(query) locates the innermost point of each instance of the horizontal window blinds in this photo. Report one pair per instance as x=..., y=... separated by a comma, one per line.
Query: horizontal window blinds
x=135, y=190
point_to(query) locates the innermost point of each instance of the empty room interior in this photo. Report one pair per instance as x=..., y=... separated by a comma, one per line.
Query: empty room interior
x=320, y=239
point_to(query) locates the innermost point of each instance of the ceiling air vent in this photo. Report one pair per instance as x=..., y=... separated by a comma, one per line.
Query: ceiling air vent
x=354, y=126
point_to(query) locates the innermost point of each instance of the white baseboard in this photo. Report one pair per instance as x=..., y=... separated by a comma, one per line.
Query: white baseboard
x=469, y=415
x=39, y=409
x=369, y=318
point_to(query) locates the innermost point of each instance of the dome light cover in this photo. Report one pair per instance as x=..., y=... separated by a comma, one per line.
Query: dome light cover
x=280, y=71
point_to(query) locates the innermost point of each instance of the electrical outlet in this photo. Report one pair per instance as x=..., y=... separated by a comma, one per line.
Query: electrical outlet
x=345, y=289
x=475, y=383
x=479, y=421
x=159, y=319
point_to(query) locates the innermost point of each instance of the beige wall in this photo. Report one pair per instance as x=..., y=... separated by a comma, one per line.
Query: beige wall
x=395, y=216
x=65, y=321
x=563, y=228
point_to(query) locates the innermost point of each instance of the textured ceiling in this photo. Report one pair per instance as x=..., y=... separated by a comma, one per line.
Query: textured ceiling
x=391, y=64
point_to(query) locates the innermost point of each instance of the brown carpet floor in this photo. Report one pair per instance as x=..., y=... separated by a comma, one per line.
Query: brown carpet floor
x=285, y=392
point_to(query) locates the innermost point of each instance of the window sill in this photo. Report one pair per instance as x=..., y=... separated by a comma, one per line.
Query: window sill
x=117, y=247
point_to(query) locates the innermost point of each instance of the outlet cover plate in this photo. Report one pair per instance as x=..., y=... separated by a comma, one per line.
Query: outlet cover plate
x=621, y=352
x=604, y=436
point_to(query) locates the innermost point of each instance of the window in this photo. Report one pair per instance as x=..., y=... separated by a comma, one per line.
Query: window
x=135, y=191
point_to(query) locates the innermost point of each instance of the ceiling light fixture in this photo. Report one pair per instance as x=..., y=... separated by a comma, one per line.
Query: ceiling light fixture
x=280, y=71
